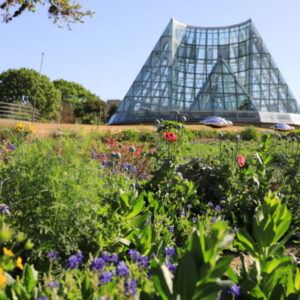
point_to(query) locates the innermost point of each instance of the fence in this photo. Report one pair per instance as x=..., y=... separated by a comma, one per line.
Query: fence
x=22, y=112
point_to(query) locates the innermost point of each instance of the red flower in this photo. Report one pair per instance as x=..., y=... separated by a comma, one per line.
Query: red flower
x=241, y=160
x=170, y=136
x=110, y=141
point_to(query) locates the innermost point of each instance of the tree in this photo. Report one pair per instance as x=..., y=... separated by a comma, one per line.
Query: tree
x=87, y=106
x=112, y=109
x=20, y=86
x=60, y=11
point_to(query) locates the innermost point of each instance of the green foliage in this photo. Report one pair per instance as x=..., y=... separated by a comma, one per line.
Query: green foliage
x=87, y=107
x=250, y=133
x=60, y=11
x=272, y=275
x=20, y=86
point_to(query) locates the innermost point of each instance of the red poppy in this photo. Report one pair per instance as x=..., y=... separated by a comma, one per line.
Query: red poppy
x=110, y=141
x=241, y=160
x=170, y=136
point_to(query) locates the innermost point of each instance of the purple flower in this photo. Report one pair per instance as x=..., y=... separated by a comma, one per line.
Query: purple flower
x=182, y=213
x=106, y=186
x=106, y=257
x=94, y=154
x=133, y=254
x=126, y=165
x=194, y=219
x=105, y=163
x=41, y=298
x=144, y=177
x=217, y=208
x=52, y=255
x=114, y=258
x=220, y=295
x=54, y=284
x=106, y=277
x=210, y=204
x=171, y=228
x=12, y=147
x=122, y=269
x=4, y=209
x=74, y=260
x=234, y=290
x=170, y=266
x=105, y=156
x=143, y=261
x=189, y=206
x=130, y=287
x=213, y=220
x=235, y=229
x=169, y=252
x=97, y=264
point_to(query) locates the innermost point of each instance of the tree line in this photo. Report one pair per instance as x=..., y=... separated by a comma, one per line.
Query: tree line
x=58, y=100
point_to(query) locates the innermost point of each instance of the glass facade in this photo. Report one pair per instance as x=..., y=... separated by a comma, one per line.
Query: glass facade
x=196, y=70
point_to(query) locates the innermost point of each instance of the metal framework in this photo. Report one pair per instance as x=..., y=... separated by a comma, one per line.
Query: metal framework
x=201, y=71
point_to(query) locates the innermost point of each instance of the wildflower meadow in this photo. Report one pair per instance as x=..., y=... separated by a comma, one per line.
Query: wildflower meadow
x=156, y=215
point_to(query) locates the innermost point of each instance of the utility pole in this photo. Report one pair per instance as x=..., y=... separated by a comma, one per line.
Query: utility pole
x=37, y=89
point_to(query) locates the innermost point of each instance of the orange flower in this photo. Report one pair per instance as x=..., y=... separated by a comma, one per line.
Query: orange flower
x=19, y=263
x=2, y=278
x=8, y=252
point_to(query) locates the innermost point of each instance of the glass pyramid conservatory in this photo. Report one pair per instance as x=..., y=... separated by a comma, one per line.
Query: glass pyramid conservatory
x=204, y=71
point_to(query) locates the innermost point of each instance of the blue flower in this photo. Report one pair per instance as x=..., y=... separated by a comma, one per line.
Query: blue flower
x=235, y=229
x=97, y=264
x=74, y=260
x=234, y=290
x=195, y=219
x=94, y=154
x=54, y=284
x=12, y=147
x=210, y=204
x=182, y=213
x=41, y=298
x=218, y=208
x=170, y=266
x=171, y=228
x=52, y=255
x=130, y=287
x=122, y=269
x=106, y=186
x=213, y=220
x=114, y=258
x=169, y=252
x=143, y=261
x=105, y=163
x=144, y=177
x=106, y=277
x=106, y=257
x=4, y=209
x=133, y=254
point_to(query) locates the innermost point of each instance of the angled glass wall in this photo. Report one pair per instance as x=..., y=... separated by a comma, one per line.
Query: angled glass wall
x=196, y=70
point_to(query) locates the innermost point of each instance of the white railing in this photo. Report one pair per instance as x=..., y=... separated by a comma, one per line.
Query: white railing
x=22, y=112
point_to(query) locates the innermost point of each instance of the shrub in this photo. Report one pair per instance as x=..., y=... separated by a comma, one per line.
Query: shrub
x=250, y=133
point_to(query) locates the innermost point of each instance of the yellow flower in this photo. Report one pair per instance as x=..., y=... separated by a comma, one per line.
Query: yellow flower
x=31, y=128
x=2, y=278
x=16, y=127
x=21, y=124
x=8, y=252
x=19, y=263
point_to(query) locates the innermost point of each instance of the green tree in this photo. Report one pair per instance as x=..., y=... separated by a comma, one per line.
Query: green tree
x=20, y=86
x=87, y=106
x=60, y=11
x=112, y=109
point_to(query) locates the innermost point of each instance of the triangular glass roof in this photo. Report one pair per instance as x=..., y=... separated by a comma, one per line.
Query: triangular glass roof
x=222, y=91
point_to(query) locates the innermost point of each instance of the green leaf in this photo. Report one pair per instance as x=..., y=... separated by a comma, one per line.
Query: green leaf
x=162, y=281
x=186, y=277
x=30, y=277
x=86, y=287
x=136, y=206
x=246, y=241
x=222, y=265
x=146, y=239
x=212, y=289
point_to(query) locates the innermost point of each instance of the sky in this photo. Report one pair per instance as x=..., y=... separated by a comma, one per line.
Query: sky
x=106, y=53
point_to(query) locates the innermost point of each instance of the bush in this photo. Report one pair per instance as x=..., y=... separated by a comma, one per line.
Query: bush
x=250, y=133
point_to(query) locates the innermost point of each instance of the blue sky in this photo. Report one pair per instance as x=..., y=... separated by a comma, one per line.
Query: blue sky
x=106, y=52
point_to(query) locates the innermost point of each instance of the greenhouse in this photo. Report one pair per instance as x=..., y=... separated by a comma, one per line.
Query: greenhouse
x=209, y=71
